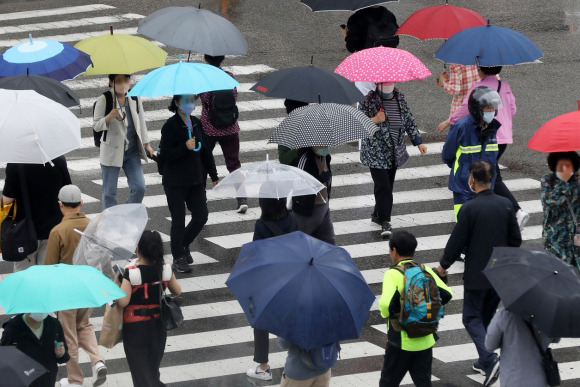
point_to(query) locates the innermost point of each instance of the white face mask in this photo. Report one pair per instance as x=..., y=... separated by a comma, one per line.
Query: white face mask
x=122, y=88
x=488, y=116
x=38, y=317
x=469, y=184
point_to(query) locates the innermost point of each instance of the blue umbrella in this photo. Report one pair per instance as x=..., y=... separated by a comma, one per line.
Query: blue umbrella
x=48, y=58
x=488, y=46
x=302, y=289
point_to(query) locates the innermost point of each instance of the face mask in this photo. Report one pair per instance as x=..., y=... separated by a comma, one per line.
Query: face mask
x=322, y=151
x=559, y=175
x=122, y=88
x=488, y=116
x=386, y=89
x=38, y=317
x=187, y=108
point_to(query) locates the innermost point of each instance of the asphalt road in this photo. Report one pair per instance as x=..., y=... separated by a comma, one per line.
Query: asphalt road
x=213, y=347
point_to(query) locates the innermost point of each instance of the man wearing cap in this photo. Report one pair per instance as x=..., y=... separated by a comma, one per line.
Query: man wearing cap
x=78, y=330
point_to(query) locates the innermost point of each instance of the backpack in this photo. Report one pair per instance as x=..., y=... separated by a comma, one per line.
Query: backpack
x=323, y=358
x=108, y=107
x=277, y=231
x=421, y=307
x=223, y=111
x=381, y=33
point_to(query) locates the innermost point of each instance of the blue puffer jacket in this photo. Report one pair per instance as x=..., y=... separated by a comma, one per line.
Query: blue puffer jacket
x=465, y=144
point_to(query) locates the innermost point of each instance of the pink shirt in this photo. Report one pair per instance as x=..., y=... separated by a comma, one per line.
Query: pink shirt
x=505, y=112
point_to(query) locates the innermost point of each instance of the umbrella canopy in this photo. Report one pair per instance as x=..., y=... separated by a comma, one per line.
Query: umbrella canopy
x=63, y=287
x=488, y=46
x=341, y=5
x=45, y=86
x=112, y=235
x=539, y=287
x=382, y=64
x=326, y=124
x=560, y=134
x=440, y=22
x=309, y=84
x=302, y=289
x=121, y=54
x=267, y=180
x=183, y=78
x=48, y=58
x=194, y=29
x=18, y=369
x=35, y=129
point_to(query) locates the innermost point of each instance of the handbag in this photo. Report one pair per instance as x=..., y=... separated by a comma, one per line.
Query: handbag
x=171, y=314
x=112, y=329
x=18, y=238
x=401, y=154
x=576, y=226
x=548, y=363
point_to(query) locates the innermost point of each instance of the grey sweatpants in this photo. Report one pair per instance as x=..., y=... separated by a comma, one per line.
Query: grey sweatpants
x=318, y=225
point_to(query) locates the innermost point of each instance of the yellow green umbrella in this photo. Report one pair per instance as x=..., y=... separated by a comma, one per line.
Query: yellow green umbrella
x=121, y=54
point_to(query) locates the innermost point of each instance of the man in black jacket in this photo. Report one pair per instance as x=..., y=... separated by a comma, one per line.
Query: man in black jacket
x=485, y=222
x=371, y=27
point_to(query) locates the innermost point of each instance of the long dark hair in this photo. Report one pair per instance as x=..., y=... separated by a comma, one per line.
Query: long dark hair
x=273, y=209
x=151, y=248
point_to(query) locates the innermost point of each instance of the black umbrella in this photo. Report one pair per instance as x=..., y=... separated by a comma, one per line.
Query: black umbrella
x=341, y=5
x=45, y=86
x=539, y=287
x=17, y=369
x=309, y=84
x=326, y=124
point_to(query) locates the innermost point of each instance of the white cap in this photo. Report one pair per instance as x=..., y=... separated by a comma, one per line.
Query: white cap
x=70, y=194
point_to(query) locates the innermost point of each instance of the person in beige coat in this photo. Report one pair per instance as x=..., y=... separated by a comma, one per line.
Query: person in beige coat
x=124, y=140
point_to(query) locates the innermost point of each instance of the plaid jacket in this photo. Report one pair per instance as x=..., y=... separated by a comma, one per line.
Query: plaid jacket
x=460, y=80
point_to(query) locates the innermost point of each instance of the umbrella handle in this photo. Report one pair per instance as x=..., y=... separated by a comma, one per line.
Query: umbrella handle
x=198, y=148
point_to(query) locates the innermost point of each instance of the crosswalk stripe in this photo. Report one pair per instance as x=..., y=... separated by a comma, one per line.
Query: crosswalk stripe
x=54, y=11
x=66, y=38
x=365, y=225
x=89, y=21
x=568, y=371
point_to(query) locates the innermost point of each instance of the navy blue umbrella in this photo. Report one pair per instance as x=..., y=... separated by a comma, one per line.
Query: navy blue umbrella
x=488, y=46
x=302, y=289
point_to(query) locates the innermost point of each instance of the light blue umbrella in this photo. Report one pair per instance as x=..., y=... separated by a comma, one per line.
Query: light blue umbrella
x=50, y=288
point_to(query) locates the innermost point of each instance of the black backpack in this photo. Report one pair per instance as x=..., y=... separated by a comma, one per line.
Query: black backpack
x=108, y=107
x=223, y=111
x=381, y=32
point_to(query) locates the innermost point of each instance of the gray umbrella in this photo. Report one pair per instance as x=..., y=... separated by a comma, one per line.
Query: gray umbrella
x=48, y=87
x=194, y=29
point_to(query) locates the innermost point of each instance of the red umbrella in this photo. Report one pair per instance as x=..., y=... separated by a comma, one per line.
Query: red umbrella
x=560, y=134
x=440, y=22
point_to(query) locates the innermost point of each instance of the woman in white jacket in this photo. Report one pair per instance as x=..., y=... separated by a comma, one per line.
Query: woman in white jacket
x=124, y=140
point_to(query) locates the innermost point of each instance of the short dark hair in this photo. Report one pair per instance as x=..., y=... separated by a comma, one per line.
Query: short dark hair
x=214, y=60
x=113, y=76
x=174, y=104
x=404, y=242
x=554, y=158
x=292, y=105
x=490, y=70
x=482, y=172
x=273, y=209
x=71, y=205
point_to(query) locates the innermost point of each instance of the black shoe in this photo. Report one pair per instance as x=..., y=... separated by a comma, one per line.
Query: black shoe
x=187, y=255
x=491, y=372
x=386, y=229
x=242, y=206
x=375, y=218
x=478, y=368
x=180, y=265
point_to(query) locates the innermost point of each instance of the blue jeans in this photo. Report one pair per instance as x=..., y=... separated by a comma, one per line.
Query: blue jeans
x=133, y=171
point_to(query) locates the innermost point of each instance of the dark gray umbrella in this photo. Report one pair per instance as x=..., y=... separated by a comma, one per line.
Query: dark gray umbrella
x=309, y=84
x=342, y=5
x=194, y=29
x=326, y=124
x=45, y=86
x=18, y=369
x=539, y=287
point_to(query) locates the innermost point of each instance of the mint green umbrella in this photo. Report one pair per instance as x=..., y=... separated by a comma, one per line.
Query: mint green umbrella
x=50, y=288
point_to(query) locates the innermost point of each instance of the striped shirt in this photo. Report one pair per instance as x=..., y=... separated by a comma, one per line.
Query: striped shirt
x=393, y=113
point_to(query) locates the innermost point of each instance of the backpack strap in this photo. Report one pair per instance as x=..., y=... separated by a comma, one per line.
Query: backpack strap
x=532, y=331
x=274, y=229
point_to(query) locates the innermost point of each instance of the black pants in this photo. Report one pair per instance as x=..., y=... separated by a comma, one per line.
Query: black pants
x=192, y=196
x=398, y=362
x=261, y=346
x=479, y=307
x=384, y=180
x=144, y=344
x=500, y=188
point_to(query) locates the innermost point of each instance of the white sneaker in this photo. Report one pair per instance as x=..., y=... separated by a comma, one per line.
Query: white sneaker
x=64, y=383
x=99, y=373
x=523, y=218
x=258, y=373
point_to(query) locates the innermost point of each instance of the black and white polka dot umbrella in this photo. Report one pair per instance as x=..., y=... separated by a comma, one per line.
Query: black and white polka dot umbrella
x=326, y=124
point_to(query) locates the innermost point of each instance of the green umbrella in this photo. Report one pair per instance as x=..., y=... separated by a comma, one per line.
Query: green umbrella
x=50, y=288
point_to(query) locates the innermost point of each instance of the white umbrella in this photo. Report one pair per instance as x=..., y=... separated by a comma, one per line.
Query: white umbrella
x=112, y=236
x=268, y=180
x=35, y=129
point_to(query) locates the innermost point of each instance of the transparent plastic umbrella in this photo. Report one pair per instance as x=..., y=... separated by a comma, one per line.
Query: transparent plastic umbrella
x=111, y=236
x=267, y=180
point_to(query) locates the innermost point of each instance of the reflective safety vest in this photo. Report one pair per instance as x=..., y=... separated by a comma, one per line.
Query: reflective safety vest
x=472, y=149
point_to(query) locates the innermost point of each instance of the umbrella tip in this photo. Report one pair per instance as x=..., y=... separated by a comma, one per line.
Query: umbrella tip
x=30, y=37
x=311, y=60
x=180, y=57
x=111, y=29
x=311, y=260
x=579, y=105
x=199, y=7
x=488, y=22
x=267, y=157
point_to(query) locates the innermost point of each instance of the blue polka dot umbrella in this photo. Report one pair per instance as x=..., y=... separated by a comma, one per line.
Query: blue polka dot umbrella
x=48, y=58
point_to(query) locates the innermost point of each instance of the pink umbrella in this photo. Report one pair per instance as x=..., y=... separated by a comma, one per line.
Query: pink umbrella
x=382, y=64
